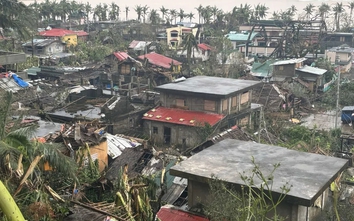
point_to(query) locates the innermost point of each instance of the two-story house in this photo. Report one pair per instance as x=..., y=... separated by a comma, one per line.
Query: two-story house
x=341, y=56
x=44, y=47
x=239, y=39
x=176, y=34
x=336, y=39
x=230, y=161
x=193, y=108
x=67, y=36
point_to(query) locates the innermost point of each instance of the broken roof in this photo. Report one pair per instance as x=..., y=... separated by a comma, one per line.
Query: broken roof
x=308, y=173
x=41, y=42
x=182, y=117
x=312, y=70
x=261, y=69
x=138, y=45
x=159, y=60
x=290, y=61
x=9, y=84
x=207, y=85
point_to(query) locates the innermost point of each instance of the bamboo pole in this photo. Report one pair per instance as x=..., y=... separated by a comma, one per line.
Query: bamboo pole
x=8, y=205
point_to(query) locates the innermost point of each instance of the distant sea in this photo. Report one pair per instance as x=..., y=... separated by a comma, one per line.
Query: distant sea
x=190, y=5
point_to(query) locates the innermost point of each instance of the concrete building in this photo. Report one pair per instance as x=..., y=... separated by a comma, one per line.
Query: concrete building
x=176, y=34
x=341, y=56
x=308, y=174
x=194, y=107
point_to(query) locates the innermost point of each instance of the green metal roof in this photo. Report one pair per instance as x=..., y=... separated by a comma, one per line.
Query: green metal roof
x=262, y=69
x=233, y=36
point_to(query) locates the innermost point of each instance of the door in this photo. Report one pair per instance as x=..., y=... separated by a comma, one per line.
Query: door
x=167, y=135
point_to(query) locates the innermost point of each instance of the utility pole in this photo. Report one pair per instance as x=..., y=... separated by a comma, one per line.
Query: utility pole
x=337, y=102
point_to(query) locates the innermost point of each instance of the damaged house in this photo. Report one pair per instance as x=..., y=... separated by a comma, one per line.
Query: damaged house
x=303, y=173
x=197, y=106
x=310, y=77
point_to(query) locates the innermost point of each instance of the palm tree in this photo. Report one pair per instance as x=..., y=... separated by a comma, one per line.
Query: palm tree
x=114, y=12
x=139, y=10
x=15, y=15
x=164, y=12
x=88, y=10
x=181, y=14
x=351, y=7
x=338, y=9
x=98, y=12
x=206, y=14
x=126, y=12
x=214, y=11
x=189, y=44
x=173, y=13
x=200, y=11
x=309, y=10
x=190, y=16
x=145, y=11
x=260, y=11
x=154, y=17
x=323, y=9
x=104, y=12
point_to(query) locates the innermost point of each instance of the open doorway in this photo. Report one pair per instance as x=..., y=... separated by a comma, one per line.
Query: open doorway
x=167, y=135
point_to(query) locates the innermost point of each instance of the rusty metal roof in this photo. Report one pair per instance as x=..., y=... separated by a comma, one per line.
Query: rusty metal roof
x=159, y=60
x=121, y=56
x=182, y=117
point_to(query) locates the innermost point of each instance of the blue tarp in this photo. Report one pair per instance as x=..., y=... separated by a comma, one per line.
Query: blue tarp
x=19, y=81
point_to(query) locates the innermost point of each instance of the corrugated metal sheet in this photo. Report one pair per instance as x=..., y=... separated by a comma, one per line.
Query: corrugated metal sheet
x=169, y=213
x=290, y=61
x=117, y=144
x=9, y=84
x=241, y=36
x=159, y=60
x=40, y=42
x=138, y=45
x=175, y=191
x=182, y=117
x=57, y=32
x=312, y=70
x=121, y=56
x=204, y=47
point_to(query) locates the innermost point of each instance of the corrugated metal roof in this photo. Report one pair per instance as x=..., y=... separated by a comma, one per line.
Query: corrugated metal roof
x=41, y=42
x=290, y=61
x=117, y=144
x=57, y=32
x=9, y=84
x=138, y=45
x=121, y=56
x=261, y=69
x=312, y=70
x=169, y=213
x=179, y=184
x=204, y=47
x=182, y=117
x=159, y=60
x=241, y=36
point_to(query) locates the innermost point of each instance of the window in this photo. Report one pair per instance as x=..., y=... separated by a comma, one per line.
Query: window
x=155, y=130
x=281, y=68
x=234, y=102
x=184, y=141
x=224, y=105
x=244, y=97
x=174, y=34
x=209, y=105
x=180, y=103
